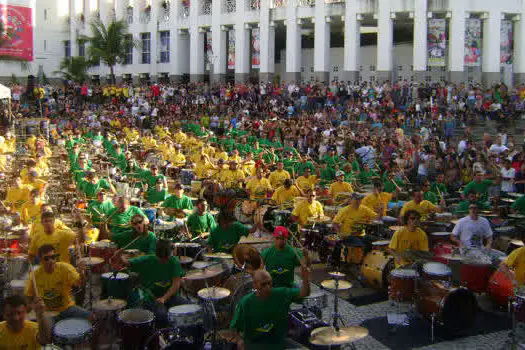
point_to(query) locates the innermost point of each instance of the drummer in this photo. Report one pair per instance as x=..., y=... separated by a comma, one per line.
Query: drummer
x=355, y=213
x=159, y=276
x=515, y=264
x=201, y=222
x=307, y=181
x=157, y=194
x=281, y=259
x=150, y=177
x=178, y=204
x=409, y=238
x=480, y=185
x=258, y=187
x=472, y=230
x=17, y=194
x=463, y=206
x=378, y=199
x=120, y=216
x=227, y=234
x=30, y=211
x=310, y=208
x=92, y=185
x=278, y=176
x=18, y=333
x=99, y=210
x=422, y=206
x=339, y=186
x=286, y=193
x=261, y=317
x=139, y=238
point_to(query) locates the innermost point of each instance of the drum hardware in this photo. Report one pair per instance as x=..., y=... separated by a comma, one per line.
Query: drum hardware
x=107, y=310
x=88, y=262
x=136, y=328
x=335, y=285
x=72, y=331
x=332, y=336
x=301, y=324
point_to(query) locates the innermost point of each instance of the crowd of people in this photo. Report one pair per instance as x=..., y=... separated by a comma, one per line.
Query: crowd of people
x=374, y=152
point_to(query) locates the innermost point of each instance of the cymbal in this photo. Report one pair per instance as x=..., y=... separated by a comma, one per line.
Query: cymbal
x=213, y=293
x=395, y=228
x=218, y=256
x=331, y=284
x=440, y=234
x=336, y=274
x=185, y=260
x=246, y=254
x=320, y=219
x=328, y=336
x=508, y=200
x=110, y=304
x=514, y=194
x=90, y=261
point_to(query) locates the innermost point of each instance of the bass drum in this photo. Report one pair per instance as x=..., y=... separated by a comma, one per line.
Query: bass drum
x=244, y=210
x=263, y=216
x=501, y=288
x=454, y=308
x=375, y=269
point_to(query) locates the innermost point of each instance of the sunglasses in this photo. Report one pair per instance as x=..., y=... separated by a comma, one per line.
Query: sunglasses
x=50, y=257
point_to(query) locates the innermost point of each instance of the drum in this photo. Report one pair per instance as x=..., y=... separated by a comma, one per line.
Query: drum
x=402, y=285
x=389, y=220
x=151, y=214
x=263, y=217
x=331, y=211
x=513, y=245
x=106, y=312
x=187, y=249
x=105, y=250
x=18, y=287
x=519, y=309
x=505, y=230
x=441, y=250
x=239, y=286
x=280, y=217
x=380, y=245
x=186, y=176
x=136, y=326
x=475, y=275
x=375, y=270
x=167, y=229
x=443, y=217
x=453, y=308
x=185, y=315
x=316, y=302
x=116, y=285
x=196, y=280
x=73, y=331
x=10, y=241
x=17, y=266
x=500, y=287
x=243, y=210
x=436, y=271
x=301, y=323
x=439, y=237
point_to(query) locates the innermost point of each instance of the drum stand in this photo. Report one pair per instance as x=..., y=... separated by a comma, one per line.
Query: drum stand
x=89, y=278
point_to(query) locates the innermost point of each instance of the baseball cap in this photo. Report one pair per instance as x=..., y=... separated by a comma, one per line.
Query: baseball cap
x=280, y=231
x=340, y=173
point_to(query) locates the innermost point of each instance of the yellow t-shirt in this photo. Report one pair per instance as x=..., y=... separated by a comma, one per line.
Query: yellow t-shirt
x=306, y=183
x=16, y=197
x=249, y=168
x=92, y=235
x=60, y=239
x=55, y=287
x=348, y=217
x=423, y=208
x=283, y=195
x=340, y=187
x=404, y=240
x=222, y=155
x=277, y=177
x=516, y=261
x=30, y=212
x=180, y=137
x=258, y=188
x=177, y=159
x=374, y=200
x=26, y=339
x=230, y=178
x=305, y=210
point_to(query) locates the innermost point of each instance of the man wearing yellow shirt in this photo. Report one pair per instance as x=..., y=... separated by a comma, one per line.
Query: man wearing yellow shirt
x=235, y=156
x=286, y=193
x=409, y=238
x=53, y=284
x=17, y=195
x=30, y=211
x=278, y=176
x=60, y=239
x=18, y=333
x=259, y=186
x=307, y=181
x=176, y=158
x=180, y=137
x=340, y=186
x=515, y=265
x=248, y=165
x=310, y=208
x=232, y=177
x=355, y=213
x=378, y=200
x=423, y=207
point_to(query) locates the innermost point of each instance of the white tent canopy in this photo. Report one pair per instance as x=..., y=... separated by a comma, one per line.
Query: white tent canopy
x=5, y=92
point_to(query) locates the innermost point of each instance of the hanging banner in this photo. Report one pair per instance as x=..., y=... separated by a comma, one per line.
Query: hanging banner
x=208, y=51
x=256, y=48
x=16, y=32
x=437, y=42
x=473, y=42
x=231, y=49
x=507, y=42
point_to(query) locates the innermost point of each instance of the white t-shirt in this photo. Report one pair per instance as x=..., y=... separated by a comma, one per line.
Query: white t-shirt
x=497, y=149
x=471, y=232
x=507, y=185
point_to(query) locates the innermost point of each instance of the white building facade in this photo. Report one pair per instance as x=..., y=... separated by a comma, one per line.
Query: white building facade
x=216, y=39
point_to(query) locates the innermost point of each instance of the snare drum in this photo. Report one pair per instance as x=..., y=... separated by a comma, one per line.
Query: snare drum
x=187, y=249
x=116, y=285
x=389, y=220
x=380, y=245
x=439, y=237
x=402, y=285
x=185, y=315
x=436, y=271
x=17, y=263
x=73, y=331
x=136, y=326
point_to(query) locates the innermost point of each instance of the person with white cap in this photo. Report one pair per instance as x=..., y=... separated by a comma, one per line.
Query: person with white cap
x=340, y=186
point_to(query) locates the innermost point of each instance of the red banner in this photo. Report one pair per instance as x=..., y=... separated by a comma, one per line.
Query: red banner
x=16, y=32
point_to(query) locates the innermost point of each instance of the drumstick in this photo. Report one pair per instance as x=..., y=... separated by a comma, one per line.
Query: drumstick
x=294, y=239
x=130, y=243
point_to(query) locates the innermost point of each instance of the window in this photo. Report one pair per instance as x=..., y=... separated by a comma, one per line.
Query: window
x=311, y=69
x=443, y=79
x=428, y=78
x=302, y=69
x=82, y=49
x=128, y=58
x=470, y=69
x=443, y=69
x=165, y=47
x=372, y=68
x=429, y=69
x=45, y=14
x=336, y=78
x=373, y=77
x=335, y=69
x=45, y=45
x=146, y=47
x=129, y=14
x=400, y=68
x=67, y=49
x=361, y=68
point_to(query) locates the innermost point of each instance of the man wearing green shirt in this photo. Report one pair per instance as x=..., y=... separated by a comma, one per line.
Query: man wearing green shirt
x=99, y=210
x=227, y=234
x=366, y=175
x=139, y=238
x=159, y=280
x=151, y=177
x=177, y=202
x=281, y=259
x=201, y=222
x=439, y=186
x=120, y=216
x=519, y=205
x=479, y=185
x=92, y=185
x=463, y=206
x=428, y=194
x=261, y=317
x=158, y=193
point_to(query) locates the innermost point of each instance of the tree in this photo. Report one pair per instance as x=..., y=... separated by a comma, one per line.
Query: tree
x=109, y=43
x=75, y=69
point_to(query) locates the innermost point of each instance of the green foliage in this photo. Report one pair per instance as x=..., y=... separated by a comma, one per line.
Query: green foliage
x=75, y=69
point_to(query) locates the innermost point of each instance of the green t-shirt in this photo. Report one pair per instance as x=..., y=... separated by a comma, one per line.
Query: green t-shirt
x=121, y=222
x=519, y=205
x=441, y=187
x=201, y=223
x=431, y=197
x=224, y=239
x=150, y=179
x=154, y=275
x=365, y=177
x=281, y=264
x=90, y=189
x=264, y=323
x=462, y=207
x=146, y=244
x=482, y=188
x=95, y=208
x=327, y=175
x=299, y=168
x=153, y=196
x=184, y=202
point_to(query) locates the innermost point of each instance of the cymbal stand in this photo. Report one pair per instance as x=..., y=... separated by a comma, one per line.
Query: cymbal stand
x=89, y=277
x=336, y=316
x=214, y=321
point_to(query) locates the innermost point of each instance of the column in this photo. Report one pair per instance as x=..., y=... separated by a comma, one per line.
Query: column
x=385, y=37
x=321, y=42
x=218, y=43
x=242, y=52
x=73, y=27
x=176, y=52
x=267, y=43
x=519, y=50
x=456, y=51
x=196, y=54
x=490, y=62
x=293, y=49
x=420, y=40
x=154, y=42
x=352, y=34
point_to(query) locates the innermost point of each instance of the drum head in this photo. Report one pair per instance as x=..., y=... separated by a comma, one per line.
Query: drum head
x=72, y=330
x=115, y=276
x=459, y=310
x=184, y=309
x=404, y=273
x=136, y=316
x=437, y=269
